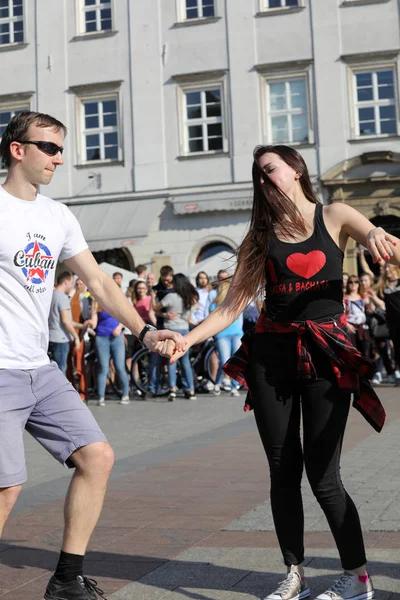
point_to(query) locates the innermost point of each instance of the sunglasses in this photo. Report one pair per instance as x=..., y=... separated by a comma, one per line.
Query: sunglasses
x=354, y=281
x=47, y=147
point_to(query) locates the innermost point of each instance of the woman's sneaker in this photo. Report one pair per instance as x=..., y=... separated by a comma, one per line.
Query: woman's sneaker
x=217, y=389
x=235, y=392
x=377, y=378
x=294, y=587
x=101, y=402
x=349, y=587
x=171, y=396
x=190, y=395
x=125, y=400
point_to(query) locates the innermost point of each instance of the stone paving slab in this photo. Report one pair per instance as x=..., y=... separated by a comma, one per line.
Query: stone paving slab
x=242, y=573
x=371, y=475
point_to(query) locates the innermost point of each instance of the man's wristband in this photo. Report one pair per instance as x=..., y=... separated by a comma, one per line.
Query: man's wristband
x=145, y=329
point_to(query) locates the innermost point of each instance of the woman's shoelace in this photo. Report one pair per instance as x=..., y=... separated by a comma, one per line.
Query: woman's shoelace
x=91, y=586
x=341, y=583
x=287, y=583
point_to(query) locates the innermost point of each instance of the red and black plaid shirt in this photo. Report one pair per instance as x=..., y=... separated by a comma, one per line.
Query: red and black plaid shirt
x=351, y=368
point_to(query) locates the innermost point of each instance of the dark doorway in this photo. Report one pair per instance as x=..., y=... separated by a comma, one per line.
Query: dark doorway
x=119, y=257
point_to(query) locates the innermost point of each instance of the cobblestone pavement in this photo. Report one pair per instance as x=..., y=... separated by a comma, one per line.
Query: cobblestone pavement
x=186, y=512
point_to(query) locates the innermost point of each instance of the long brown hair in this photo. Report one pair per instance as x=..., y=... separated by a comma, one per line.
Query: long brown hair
x=383, y=281
x=272, y=209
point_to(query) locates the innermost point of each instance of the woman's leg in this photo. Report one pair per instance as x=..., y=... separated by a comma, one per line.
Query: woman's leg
x=277, y=413
x=384, y=354
x=235, y=345
x=103, y=359
x=223, y=347
x=117, y=346
x=172, y=376
x=325, y=411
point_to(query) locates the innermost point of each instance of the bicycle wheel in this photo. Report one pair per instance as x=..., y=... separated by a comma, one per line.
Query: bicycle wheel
x=207, y=362
x=140, y=370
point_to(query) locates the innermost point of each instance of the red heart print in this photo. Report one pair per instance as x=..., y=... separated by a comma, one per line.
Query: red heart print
x=306, y=265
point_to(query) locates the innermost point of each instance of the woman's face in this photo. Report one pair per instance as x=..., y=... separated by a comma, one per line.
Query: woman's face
x=278, y=171
x=365, y=281
x=354, y=285
x=141, y=290
x=391, y=272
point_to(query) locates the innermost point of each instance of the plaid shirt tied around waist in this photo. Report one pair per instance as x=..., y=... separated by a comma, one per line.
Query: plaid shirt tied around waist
x=351, y=369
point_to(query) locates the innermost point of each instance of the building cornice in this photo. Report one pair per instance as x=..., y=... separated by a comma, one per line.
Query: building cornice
x=200, y=76
x=86, y=88
x=291, y=64
x=370, y=56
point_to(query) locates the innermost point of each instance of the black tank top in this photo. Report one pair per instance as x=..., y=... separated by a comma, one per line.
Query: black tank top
x=304, y=279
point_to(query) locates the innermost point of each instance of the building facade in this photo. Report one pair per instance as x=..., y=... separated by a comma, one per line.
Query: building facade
x=165, y=101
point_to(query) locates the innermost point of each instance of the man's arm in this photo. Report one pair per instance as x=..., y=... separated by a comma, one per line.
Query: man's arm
x=111, y=298
x=66, y=320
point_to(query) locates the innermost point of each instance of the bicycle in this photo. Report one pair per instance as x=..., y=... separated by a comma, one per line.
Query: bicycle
x=200, y=361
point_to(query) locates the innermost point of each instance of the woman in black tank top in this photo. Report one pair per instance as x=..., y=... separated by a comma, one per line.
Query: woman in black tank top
x=299, y=360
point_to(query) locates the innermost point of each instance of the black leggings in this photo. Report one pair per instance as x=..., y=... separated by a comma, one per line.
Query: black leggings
x=278, y=399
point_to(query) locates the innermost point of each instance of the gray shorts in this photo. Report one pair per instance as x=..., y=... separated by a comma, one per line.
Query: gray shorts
x=43, y=402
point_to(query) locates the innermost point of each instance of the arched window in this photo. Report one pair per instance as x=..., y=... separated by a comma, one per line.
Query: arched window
x=211, y=249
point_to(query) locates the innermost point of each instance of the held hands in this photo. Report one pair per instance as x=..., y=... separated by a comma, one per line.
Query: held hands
x=179, y=353
x=164, y=342
x=380, y=244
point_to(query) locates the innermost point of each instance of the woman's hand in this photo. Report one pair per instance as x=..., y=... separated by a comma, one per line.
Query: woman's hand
x=380, y=244
x=117, y=330
x=179, y=353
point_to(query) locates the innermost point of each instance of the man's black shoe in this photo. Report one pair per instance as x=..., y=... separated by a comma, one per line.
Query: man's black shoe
x=80, y=588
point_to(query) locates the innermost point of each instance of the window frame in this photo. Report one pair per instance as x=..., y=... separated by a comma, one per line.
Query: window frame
x=97, y=95
x=181, y=12
x=13, y=107
x=284, y=75
x=11, y=21
x=354, y=105
x=82, y=23
x=264, y=8
x=201, y=86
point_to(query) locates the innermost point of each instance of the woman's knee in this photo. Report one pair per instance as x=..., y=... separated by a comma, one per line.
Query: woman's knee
x=97, y=457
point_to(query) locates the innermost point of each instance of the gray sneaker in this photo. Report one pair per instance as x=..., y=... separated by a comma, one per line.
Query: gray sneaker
x=349, y=587
x=291, y=588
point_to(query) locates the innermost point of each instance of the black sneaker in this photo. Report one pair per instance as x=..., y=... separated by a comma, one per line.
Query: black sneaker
x=80, y=588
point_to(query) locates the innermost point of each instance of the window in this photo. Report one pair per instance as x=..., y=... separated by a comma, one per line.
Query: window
x=199, y=9
x=279, y=4
x=288, y=111
x=6, y=114
x=100, y=130
x=203, y=124
x=96, y=15
x=375, y=102
x=11, y=22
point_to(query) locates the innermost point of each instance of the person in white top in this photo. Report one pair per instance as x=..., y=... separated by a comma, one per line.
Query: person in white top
x=36, y=232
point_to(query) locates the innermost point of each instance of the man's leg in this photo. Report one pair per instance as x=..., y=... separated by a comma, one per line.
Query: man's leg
x=8, y=497
x=86, y=495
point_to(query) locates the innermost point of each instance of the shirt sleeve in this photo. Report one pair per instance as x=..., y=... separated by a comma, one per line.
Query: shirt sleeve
x=74, y=241
x=165, y=301
x=64, y=303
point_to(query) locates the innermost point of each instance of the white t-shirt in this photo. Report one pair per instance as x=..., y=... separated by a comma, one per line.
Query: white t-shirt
x=34, y=235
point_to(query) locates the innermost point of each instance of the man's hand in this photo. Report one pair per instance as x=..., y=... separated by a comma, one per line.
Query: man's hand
x=164, y=342
x=77, y=343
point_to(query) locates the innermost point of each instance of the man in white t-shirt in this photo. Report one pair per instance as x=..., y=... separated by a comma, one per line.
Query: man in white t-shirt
x=36, y=232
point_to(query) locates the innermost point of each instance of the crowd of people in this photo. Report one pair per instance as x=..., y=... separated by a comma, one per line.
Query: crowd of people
x=371, y=308
x=372, y=311
x=78, y=323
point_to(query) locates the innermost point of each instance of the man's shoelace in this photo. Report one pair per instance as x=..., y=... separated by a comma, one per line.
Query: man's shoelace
x=340, y=585
x=91, y=586
x=287, y=584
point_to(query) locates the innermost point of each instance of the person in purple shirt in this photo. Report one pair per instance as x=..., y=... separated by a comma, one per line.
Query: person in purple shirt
x=109, y=343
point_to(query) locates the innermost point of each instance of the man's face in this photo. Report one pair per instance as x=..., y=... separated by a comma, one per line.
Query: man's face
x=167, y=280
x=223, y=275
x=151, y=280
x=37, y=166
x=118, y=279
x=69, y=285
